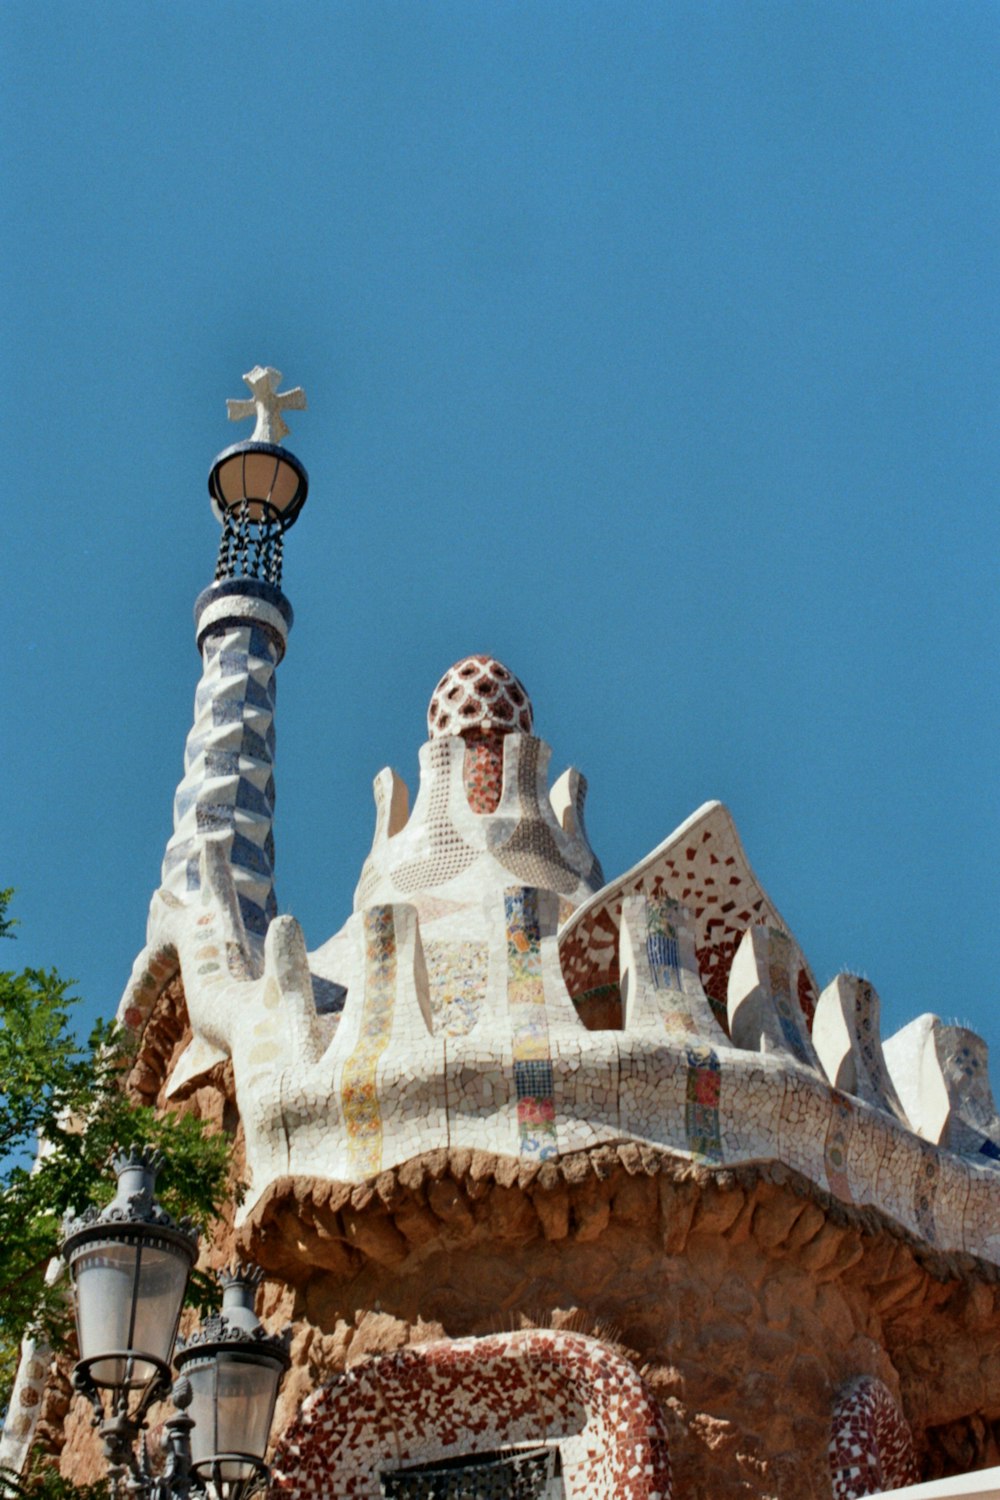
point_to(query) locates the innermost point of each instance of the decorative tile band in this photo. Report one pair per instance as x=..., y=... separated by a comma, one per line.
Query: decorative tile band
x=536, y=1117
x=362, y=1114
x=925, y=1192
x=482, y=772
x=683, y=1011
x=788, y=1010
x=670, y=956
x=838, y=1137
x=701, y=1115
x=662, y=948
x=445, y=853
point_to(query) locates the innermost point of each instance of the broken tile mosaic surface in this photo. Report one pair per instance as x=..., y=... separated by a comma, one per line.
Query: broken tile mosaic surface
x=449, y=1009
x=871, y=1447
x=452, y=1399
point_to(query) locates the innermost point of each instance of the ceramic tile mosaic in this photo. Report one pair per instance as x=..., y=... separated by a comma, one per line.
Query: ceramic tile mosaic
x=482, y=772
x=764, y=1010
x=391, y=797
x=362, y=1111
x=702, y=865
x=660, y=980
x=651, y=1088
x=531, y=849
x=447, y=842
x=704, y=1087
x=895, y=1186
x=981, y=1221
x=478, y=695
x=480, y=1099
x=847, y=1039
x=942, y=1076
x=966, y=1064
x=24, y=1403
x=973, y=1124
x=925, y=1191
x=529, y=1025
x=456, y=975
x=447, y=853
x=662, y=990
x=427, y=1404
x=529, y=1079
x=871, y=1447
x=227, y=793
x=836, y=1147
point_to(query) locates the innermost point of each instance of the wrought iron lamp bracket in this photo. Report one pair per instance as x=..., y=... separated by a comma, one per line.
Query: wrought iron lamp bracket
x=119, y=1428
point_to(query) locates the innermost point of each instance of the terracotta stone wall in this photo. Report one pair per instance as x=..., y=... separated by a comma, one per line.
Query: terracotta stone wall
x=747, y=1304
x=961, y=1447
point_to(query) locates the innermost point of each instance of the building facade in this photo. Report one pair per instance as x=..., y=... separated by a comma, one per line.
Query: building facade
x=569, y=1186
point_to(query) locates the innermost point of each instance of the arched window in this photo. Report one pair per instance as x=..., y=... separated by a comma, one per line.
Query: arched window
x=537, y=1413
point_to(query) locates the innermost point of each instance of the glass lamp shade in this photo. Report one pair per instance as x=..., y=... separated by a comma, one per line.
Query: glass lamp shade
x=271, y=482
x=129, y=1288
x=233, y=1392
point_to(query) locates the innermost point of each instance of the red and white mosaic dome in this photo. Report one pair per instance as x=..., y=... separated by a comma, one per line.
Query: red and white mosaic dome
x=477, y=696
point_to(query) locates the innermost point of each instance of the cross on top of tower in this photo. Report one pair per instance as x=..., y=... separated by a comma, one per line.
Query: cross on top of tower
x=267, y=403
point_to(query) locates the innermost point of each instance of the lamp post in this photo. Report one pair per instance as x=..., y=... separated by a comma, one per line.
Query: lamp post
x=130, y=1264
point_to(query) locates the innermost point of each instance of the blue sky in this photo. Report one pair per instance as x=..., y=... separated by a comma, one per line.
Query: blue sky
x=652, y=347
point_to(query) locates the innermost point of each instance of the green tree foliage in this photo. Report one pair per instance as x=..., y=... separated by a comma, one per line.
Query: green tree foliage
x=68, y=1096
x=44, y=1482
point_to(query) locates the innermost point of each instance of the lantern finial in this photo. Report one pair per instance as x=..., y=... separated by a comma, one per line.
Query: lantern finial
x=257, y=487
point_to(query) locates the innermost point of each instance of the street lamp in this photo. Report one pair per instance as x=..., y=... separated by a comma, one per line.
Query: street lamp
x=234, y=1367
x=130, y=1264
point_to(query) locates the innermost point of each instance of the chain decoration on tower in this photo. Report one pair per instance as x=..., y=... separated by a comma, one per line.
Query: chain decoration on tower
x=249, y=548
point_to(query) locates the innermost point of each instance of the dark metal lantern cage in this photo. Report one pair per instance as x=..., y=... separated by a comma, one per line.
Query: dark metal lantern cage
x=257, y=492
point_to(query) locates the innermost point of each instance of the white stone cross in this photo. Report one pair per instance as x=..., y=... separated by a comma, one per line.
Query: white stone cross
x=267, y=404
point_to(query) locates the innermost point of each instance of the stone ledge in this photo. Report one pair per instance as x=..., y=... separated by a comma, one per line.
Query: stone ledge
x=450, y=1199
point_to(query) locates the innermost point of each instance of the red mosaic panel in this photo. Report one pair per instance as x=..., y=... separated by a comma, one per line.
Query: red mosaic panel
x=871, y=1446
x=482, y=771
x=704, y=868
x=478, y=1395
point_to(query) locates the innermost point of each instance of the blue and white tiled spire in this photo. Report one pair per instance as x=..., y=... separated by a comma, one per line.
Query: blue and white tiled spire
x=242, y=620
x=227, y=794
